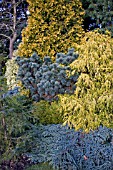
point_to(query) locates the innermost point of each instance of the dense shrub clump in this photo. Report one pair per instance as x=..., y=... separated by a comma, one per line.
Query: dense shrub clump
x=21, y=163
x=66, y=148
x=92, y=102
x=46, y=79
x=52, y=26
x=48, y=113
x=16, y=123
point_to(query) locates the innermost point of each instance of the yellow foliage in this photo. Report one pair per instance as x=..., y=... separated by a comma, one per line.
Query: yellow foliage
x=53, y=26
x=92, y=103
x=22, y=90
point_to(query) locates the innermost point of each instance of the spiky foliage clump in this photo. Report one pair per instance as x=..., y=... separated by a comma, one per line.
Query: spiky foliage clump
x=92, y=102
x=46, y=79
x=15, y=124
x=52, y=26
x=101, y=12
x=66, y=148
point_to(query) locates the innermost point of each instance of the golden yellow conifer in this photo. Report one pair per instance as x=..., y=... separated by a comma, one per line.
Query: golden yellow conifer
x=53, y=26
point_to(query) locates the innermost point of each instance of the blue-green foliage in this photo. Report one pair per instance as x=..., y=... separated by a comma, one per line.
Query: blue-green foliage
x=12, y=92
x=66, y=148
x=46, y=79
x=66, y=59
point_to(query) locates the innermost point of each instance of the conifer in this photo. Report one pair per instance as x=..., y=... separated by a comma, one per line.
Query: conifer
x=101, y=12
x=92, y=103
x=53, y=26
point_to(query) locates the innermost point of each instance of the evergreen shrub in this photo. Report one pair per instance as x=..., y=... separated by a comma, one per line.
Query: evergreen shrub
x=66, y=148
x=92, y=102
x=2, y=63
x=16, y=124
x=41, y=166
x=46, y=79
x=48, y=113
x=101, y=13
x=52, y=26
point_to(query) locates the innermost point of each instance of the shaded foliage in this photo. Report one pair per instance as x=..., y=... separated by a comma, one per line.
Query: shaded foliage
x=16, y=124
x=41, y=166
x=101, y=13
x=21, y=163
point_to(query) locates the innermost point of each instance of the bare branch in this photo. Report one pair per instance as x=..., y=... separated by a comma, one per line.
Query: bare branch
x=14, y=15
x=7, y=27
x=3, y=25
x=5, y=12
x=18, y=3
x=11, y=22
x=5, y=36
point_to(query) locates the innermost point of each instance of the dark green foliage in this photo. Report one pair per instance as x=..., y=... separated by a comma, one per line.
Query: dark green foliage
x=101, y=12
x=66, y=148
x=46, y=79
x=16, y=124
x=3, y=59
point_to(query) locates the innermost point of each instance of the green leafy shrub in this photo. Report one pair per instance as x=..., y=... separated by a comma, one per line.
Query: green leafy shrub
x=92, y=102
x=48, y=113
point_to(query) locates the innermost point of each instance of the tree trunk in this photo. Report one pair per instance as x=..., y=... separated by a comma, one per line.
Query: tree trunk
x=11, y=45
x=4, y=127
x=14, y=36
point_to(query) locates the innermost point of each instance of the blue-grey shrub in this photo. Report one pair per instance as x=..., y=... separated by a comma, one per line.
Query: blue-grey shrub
x=67, y=149
x=46, y=79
